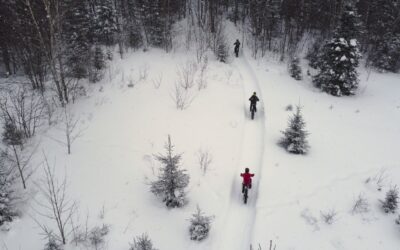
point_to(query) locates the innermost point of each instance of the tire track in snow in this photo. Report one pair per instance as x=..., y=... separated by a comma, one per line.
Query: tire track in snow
x=239, y=219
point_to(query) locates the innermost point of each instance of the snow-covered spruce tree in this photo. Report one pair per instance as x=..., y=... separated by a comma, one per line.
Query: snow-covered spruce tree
x=172, y=180
x=199, y=225
x=104, y=22
x=98, y=64
x=52, y=244
x=222, y=53
x=391, y=201
x=294, y=137
x=7, y=209
x=386, y=56
x=339, y=58
x=142, y=243
x=295, y=69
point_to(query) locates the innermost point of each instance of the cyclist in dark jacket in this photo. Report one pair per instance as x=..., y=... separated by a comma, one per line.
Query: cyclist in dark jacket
x=253, y=101
x=237, y=45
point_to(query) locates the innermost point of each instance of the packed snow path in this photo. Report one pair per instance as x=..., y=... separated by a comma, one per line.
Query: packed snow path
x=239, y=220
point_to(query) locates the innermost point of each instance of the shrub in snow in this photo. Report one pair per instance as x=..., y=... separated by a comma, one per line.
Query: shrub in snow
x=329, y=217
x=199, y=225
x=172, y=180
x=12, y=135
x=294, y=137
x=361, y=205
x=142, y=243
x=97, y=235
x=391, y=201
x=295, y=69
x=52, y=244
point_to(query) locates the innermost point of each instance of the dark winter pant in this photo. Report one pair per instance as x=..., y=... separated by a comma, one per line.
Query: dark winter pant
x=243, y=185
x=253, y=105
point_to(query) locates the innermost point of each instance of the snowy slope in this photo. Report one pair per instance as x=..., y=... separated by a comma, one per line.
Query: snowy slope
x=352, y=139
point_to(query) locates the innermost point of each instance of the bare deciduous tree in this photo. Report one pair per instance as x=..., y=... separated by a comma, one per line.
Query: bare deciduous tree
x=181, y=97
x=56, y=206
x=69, y=127
x=157, y=81
x=186, y=73
x=205, y=158
x=19, y=159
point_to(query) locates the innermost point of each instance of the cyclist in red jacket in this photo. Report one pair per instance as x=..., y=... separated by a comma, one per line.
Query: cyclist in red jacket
x=246, y=179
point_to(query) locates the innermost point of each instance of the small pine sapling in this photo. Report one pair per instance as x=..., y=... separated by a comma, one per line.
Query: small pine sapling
x=391, y=201
x=142, y=243
x=52, y=244
x=172, y=180
x=295, y=69
x=294, y=137
x=199, y=225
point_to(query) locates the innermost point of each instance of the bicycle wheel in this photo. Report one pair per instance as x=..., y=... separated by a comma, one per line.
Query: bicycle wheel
x=245, y=195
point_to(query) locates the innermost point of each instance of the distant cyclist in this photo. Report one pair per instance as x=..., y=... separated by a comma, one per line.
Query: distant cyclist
x=253, y=101
x=246, y=179
x=237, y=45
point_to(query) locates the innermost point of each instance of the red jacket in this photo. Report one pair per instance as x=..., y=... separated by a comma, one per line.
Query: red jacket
x=246, y=178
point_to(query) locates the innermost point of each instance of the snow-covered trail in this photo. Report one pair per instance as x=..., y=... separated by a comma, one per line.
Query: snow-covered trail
x=239, y=218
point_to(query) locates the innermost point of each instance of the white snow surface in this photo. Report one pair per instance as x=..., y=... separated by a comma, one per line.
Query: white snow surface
x=353, y=140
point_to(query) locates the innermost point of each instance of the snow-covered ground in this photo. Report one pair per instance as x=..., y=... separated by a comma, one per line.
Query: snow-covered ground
x=354, y=140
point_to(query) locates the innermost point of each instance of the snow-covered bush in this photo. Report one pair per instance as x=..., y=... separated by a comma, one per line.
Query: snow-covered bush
x=142, y=243
x=52, y=244
x=172, y=180
x=199, y=225
x=97, y=234
x=12, y=135
x=361, y=205
x=328, y=216
x=391, y=201
x=295, y=69
x=294, y=137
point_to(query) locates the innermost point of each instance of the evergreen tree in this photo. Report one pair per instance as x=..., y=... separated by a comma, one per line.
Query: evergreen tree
x=199, y=225
x=222, y=53
x=98, y=64
x=172, y=180
x=52, y=244
x=339, y=59
x=294, y=137
x=391, y=201
x=386, y=56
x=7, y=209
x=104, y=22
x=295, y=69
x=78, y=37
x=142, y=243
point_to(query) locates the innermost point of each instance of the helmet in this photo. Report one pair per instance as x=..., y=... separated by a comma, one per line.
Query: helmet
x=246, y=170
x=254, y=93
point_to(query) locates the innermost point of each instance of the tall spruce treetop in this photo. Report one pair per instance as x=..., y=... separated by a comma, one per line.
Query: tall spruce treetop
x=350, y=24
